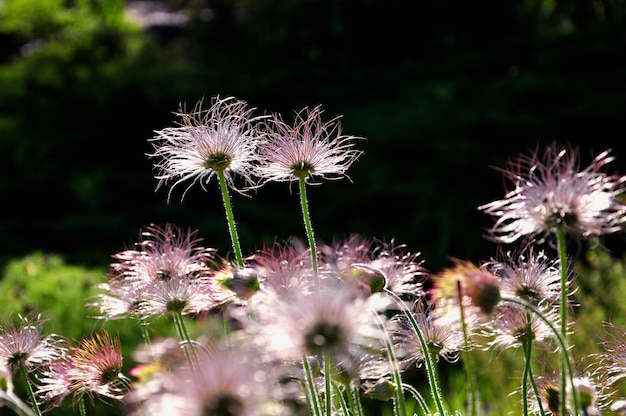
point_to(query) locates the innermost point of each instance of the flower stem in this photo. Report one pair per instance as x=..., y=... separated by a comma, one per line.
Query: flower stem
x=184, y=337
x=467, y=358
x=431, y=368
x=232, y=227
x=399, y=405
x=313, y=396
x=29, y=390
x=563, y=311
x=81, y=406
x=328, y=366
x=309, y=227
x=527, y=354
x=565, y=359
x=143, y=326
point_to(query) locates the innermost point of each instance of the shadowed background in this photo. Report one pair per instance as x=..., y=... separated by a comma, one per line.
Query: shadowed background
x=442, y=91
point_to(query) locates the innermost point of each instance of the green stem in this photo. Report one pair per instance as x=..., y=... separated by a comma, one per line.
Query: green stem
x=184, y=337
x=355, y=401
x=527, y=344
x=399, y=405
x=467, y=357
x=29, y=390
x=143, y=326
x=431, y=368
x=566, y=361
x=564, y=312
x=312, y=396
x=81, y=406
x=309, y=227
x=232, y=227
x=328, y=367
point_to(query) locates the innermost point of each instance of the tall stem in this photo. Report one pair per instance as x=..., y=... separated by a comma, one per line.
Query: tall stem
x=431, y=367
x=29, y=390
x=399, y=404
x=184, y=337
x=81, y=406
x=232, y=227
x=467, y=358
x=311, y=392
x=328, y=366
x=309, y=227
x=564, y=312
x=565, y=358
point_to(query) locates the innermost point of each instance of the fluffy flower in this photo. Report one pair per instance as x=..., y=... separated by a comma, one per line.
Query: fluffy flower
x=221, y=139
x=551, y=192
x=442, y=341
x=476, y=287
x=334, y=320
x=227, y=382
x=512, y=326
x=307, y=150
x=376, y=265
x=23, y=344
x=169, y=272
x=93, y=367
x=529, y=275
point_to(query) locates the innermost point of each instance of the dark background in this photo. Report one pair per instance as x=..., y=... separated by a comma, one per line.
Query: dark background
x=442, y=91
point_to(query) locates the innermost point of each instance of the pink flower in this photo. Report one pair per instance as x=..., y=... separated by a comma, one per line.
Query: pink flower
x=93, y=367
x=169, y=272
x=23, y=344
x=550, y=192
x=307, y=150
x=220, y=139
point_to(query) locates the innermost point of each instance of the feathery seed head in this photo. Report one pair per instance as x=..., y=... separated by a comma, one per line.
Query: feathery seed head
x=551, y=193
x=308, y=149
x=222, y=139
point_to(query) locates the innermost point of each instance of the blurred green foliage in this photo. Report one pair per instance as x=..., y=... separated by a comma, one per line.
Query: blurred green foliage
x=442, y=94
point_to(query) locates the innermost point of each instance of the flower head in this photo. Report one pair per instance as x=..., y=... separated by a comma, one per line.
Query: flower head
x=168, y=272
x=529, y=275
x=442, y=341
x=307, y=150
x=227, y=382
x=23, y=344
x=550, y=193
x=222, y=139
x=334, y=320
x=376, y=265
x=512, y=326
x=93, y=367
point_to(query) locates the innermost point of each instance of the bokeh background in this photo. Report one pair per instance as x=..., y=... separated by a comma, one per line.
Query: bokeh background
x=442, y=91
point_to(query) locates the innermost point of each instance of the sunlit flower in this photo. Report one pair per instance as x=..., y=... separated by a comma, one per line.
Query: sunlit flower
x=551, y=193
x=308, y=149
x=549, y=400
x=93, y=368
x=226, y=382
x=442, y=341
x=465, y=284
x=334, y=320
x=284, y=267
x=222, y=139
x=168, y=272
x=24, y=344
x=376, y=265
x=512, y=326
x=529, y=275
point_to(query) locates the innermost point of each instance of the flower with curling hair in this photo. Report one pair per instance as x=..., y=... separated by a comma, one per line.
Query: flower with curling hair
x=308, y=149
x=551, y=192
x=223, y=138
